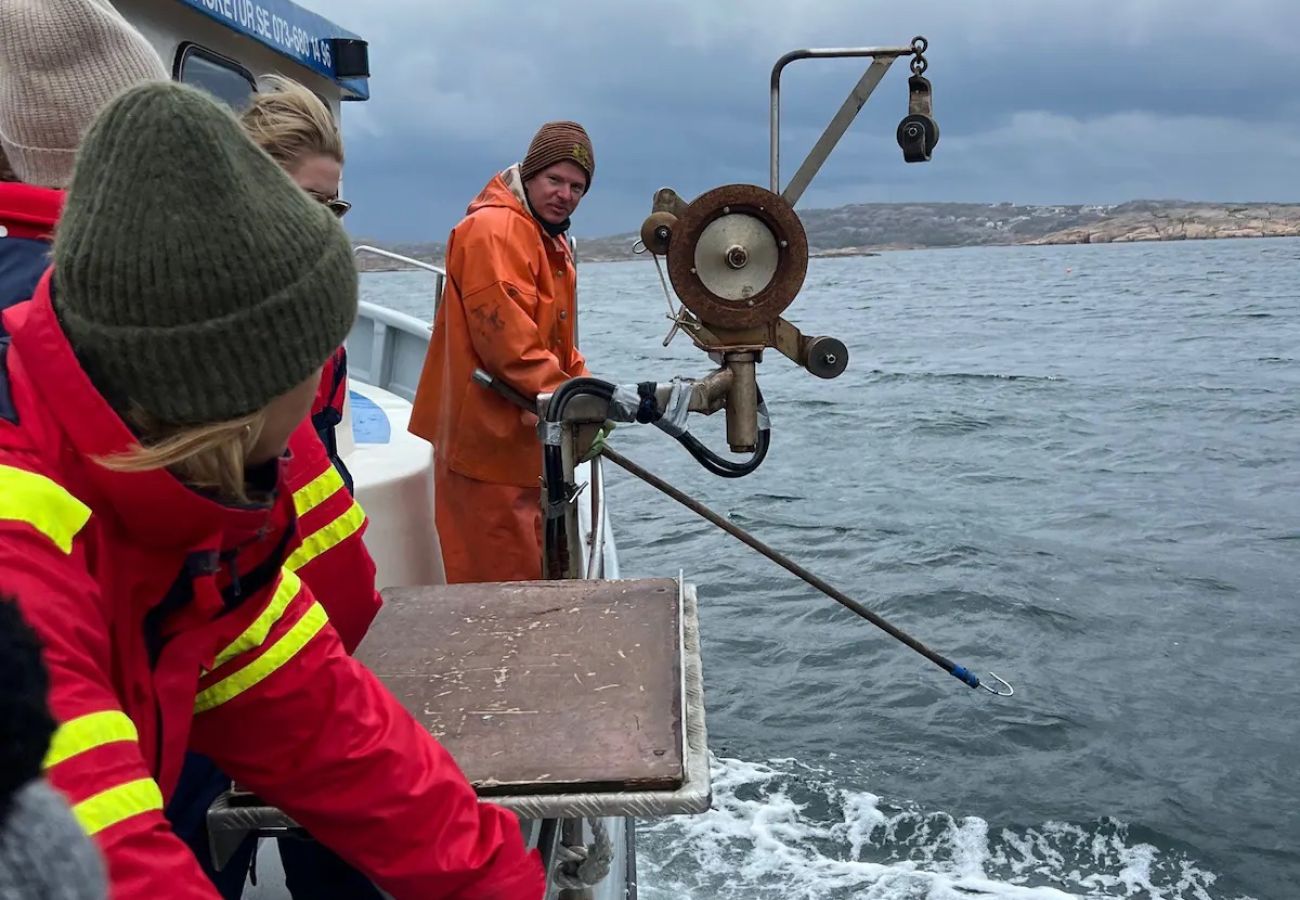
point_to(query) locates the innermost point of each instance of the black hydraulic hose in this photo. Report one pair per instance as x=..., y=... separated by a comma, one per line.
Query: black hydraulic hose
x=553, y=459
x=553, y=455
x=725, y=468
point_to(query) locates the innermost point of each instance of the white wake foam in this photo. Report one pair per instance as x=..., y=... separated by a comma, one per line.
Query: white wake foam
x=785, y=830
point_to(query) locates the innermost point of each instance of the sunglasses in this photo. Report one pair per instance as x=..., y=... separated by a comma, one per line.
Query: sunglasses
x=333, y=204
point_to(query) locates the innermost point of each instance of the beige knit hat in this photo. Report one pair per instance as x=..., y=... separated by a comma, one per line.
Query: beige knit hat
x=559, y=142
x=61, y=61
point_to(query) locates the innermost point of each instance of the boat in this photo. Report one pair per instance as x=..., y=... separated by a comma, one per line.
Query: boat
x=567, y=759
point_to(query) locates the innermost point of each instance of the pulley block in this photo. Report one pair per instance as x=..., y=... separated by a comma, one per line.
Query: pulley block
x=918, y=133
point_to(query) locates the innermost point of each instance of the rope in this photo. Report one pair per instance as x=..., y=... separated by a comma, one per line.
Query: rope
x=584, y=866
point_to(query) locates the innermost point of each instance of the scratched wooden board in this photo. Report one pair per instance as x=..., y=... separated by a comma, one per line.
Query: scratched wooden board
x=541, y=687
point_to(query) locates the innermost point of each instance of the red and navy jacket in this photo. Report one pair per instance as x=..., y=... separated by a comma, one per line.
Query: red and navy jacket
x=27, y=218
x=327, y=410
x=170, y=622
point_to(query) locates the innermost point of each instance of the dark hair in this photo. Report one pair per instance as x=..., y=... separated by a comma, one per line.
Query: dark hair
x=25, y=721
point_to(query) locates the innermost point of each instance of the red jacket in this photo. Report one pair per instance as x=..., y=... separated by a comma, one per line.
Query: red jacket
x=170, y=622
x=328, y=551
x=28, y=211
x=27, y=218
x=327, y=408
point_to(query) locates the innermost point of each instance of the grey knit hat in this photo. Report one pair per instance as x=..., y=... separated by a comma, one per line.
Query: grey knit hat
x=193, y=278
x=61, y=61
x=44, y=853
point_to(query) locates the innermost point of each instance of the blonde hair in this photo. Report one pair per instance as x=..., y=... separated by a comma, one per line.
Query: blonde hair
x=291, y=123
x=208, y=457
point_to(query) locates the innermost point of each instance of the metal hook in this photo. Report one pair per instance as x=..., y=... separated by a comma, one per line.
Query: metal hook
x=1009, y=689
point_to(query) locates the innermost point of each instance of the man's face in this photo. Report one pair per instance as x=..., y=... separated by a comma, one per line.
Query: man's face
x=556, y=191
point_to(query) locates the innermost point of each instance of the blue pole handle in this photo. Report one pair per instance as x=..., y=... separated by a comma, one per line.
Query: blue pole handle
x=965, y=675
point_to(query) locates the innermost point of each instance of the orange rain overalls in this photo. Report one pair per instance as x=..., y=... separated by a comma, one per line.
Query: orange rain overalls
x=508, y=308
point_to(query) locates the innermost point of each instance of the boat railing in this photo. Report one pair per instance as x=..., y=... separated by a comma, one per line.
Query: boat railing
x=439, y=273
x=387, y=348
x=596, y=531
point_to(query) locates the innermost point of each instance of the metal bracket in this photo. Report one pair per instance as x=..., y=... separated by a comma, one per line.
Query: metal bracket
x=882, y=59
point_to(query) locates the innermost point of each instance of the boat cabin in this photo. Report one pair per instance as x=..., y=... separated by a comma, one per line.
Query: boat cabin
x=225, y=46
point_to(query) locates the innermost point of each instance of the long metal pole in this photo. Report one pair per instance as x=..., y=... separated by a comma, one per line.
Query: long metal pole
x=740, y=534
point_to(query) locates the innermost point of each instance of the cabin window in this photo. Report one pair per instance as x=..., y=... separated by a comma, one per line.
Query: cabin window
x=219, y=75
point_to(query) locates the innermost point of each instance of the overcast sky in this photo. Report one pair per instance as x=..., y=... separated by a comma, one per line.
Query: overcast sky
x=1039, y=101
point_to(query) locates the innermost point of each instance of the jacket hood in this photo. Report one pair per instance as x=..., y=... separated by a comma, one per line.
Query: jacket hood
x=506, y=189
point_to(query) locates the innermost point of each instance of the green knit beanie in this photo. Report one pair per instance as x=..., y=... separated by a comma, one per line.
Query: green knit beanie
x=193, y=278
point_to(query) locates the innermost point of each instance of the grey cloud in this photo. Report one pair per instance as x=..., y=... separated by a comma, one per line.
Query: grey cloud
x=1039, y=100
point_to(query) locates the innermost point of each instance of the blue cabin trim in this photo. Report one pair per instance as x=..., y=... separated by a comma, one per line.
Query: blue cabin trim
x=298, y=34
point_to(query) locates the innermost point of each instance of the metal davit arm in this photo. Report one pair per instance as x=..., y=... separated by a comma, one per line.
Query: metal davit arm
x=882, y=58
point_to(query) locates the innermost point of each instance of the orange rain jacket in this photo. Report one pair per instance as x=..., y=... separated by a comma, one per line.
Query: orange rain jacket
x=171, y=622
x=509, y=308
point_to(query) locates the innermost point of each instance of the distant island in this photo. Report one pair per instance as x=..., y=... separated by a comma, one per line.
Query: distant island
x=867, y=228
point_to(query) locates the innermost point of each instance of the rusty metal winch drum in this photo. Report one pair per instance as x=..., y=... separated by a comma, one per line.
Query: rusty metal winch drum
x=738, y=256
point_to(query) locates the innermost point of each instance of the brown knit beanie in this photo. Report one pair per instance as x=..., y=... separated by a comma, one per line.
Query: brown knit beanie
x=559, y=142
x=192, y=277
x=61, y=61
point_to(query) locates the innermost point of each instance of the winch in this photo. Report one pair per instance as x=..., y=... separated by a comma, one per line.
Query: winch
x=737, y=255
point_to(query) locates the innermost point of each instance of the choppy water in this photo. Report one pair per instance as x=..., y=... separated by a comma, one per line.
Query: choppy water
x=1076, y=466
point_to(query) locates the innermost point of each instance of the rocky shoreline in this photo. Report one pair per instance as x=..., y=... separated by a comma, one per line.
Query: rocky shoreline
x=1185, y=224
x=873, y=228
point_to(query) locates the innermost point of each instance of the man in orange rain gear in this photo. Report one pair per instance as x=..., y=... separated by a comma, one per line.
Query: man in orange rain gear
x=509, y=308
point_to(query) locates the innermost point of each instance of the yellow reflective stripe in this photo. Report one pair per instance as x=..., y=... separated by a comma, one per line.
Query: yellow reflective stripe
x=330, y=536
x=118, y=804
x=265, y=665
x=320, y=489
x=88, y=732
x=253, y=636
x=42, y=504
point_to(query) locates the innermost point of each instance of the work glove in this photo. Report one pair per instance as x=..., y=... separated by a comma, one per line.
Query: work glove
x=597, y=445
